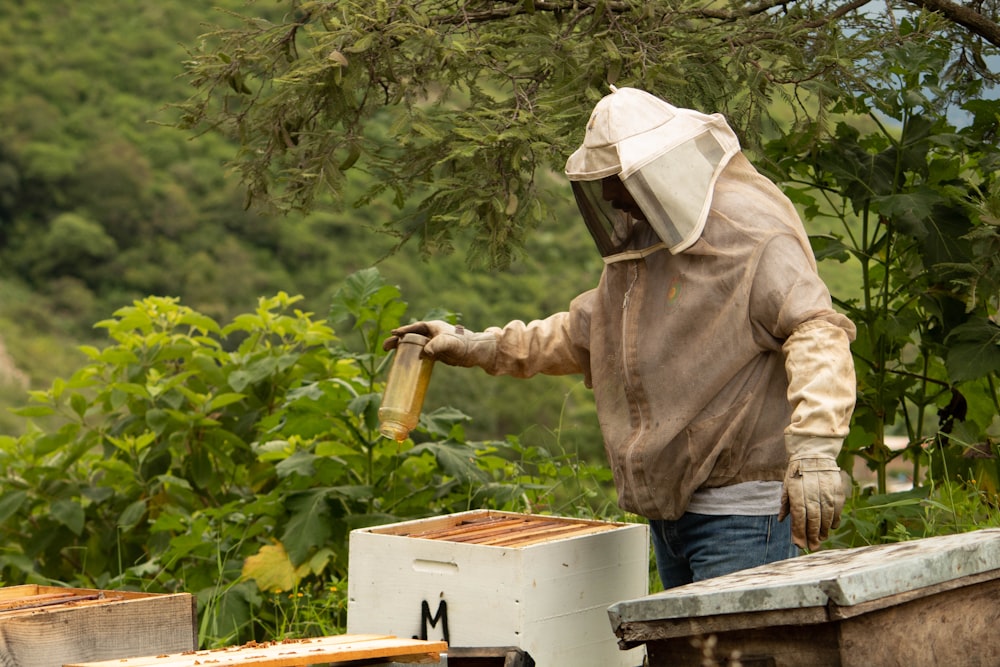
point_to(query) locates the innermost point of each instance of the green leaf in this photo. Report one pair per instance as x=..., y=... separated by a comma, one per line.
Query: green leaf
x=199, y=321
x=208, y=368
x=973, y=350
x=253, y=373
x=273, y=450
x=69, y=513
x=131, y=515
x=457, y=460
x=79, y=404
x=360, y=288
x=34, y=411
x=334, y=449
x=228, y=610
x=300, y=463
x=116, y=356
x=829, y=247
x=910, y=211
x=222, y=400
x=308, y=526
x=10, y=503
x=441, y=421
x=201, y=469
x=367, y=406
x=239, y=380
x=172, y=480
x=50, y=442
x=362, y=44
x=132, y=389
x=351, y=491
x=157, y=420
x=308, y=425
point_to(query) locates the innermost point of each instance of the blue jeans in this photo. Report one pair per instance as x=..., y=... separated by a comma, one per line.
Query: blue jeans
x=701, y=546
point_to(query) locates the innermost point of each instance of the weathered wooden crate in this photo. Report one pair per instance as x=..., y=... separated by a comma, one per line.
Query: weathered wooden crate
x=920, y=604
x=483, y=578
x=49, y=626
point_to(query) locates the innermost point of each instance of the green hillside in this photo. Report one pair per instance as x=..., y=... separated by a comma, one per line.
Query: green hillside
x=102, y=203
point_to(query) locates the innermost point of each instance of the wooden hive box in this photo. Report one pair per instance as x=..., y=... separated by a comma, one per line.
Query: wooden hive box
x=920, y=604
x=49, y=626
x=484, y=578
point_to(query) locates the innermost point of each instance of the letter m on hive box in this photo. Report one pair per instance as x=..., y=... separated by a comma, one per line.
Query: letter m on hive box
x=500, y=579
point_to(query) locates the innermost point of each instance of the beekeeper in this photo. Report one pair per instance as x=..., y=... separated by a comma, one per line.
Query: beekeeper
x=722, y=376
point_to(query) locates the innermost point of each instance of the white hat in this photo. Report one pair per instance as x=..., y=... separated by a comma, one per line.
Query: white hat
x=668, y=158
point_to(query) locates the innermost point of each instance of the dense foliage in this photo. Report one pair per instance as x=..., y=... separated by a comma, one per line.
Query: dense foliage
x=103, y=203
x=916, y=201
x=461, y=109
x=232, y=461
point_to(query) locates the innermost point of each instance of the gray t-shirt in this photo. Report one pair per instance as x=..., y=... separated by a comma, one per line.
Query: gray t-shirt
x=745, y=499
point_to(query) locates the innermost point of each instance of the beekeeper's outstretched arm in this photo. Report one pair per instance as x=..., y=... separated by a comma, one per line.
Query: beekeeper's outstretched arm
x=541, y=346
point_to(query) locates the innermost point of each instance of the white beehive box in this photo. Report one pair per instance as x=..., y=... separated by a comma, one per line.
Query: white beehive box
x=495, y=579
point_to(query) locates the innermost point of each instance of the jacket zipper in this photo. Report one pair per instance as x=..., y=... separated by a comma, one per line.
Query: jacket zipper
x=629, y=333
x=626, y=321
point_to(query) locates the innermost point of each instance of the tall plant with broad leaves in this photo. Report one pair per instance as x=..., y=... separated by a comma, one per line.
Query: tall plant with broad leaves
x=915, y=200
x=232, y=461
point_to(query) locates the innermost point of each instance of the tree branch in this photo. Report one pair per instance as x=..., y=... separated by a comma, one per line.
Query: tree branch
x=968, y=18
x=515, y=8
x=965, y=17
x=726, y=15
x=837, y=13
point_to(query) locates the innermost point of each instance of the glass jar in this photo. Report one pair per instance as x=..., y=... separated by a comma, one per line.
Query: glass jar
x=405, y=389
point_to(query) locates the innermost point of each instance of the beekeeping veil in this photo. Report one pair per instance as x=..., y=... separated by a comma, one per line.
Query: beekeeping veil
x=668, y=158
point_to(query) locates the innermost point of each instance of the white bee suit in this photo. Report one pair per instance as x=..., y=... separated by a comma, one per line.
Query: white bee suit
x=711, y=344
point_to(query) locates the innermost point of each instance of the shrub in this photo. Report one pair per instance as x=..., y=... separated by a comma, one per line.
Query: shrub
x=232, y=462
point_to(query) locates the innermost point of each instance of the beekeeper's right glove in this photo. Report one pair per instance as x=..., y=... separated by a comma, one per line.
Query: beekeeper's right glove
x=453, y=345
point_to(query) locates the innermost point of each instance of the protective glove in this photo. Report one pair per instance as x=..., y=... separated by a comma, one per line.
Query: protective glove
x=453, y=345
x=813, y=491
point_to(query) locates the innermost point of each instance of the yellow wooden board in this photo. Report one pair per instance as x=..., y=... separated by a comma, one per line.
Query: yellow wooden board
x=293, y=653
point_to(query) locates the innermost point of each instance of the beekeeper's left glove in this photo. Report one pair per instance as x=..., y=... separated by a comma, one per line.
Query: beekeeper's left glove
x=813, y=493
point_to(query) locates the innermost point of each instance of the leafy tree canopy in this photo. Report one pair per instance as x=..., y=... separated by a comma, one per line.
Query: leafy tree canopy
x=476, y=102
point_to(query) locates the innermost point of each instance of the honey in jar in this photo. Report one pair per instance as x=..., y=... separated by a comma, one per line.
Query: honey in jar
x=405, y=389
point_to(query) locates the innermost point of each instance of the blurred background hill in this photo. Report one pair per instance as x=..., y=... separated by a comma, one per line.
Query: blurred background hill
x=103, y=202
